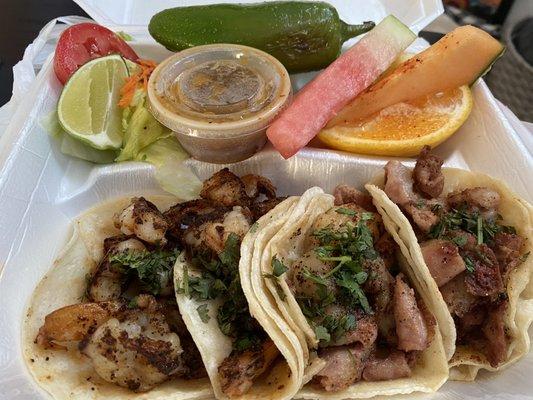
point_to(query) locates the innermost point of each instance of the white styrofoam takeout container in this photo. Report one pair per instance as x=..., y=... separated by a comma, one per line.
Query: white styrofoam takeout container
x=137, y=13
x=42, y=190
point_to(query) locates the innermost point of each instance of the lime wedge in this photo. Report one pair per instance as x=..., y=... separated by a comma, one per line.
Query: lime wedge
x=88, y=107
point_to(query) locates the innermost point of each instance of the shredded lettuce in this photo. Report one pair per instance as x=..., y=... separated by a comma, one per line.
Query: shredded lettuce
x=78, y=149
x=173, y=175
x=142, y=130
x=145, y=139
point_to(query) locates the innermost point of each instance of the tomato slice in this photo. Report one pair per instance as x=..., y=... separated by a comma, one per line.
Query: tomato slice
x=83, y=42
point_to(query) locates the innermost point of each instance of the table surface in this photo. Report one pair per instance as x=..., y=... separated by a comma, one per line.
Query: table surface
x=20, y=23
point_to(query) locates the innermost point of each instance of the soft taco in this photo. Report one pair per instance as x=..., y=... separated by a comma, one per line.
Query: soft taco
x=247, y=351
x=104, y=323
x=469, y=237
x=362, y=317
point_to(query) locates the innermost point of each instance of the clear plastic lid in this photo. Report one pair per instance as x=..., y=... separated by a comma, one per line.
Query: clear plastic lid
x=219, y=91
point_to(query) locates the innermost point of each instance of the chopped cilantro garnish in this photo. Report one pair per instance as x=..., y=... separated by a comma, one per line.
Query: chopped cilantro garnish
x=469, y=264
x=153, y=269
x=220, y=279
x=346, y=211
x=460, y=240
x=471, y=222
x=322, y=333
x=278, y=268
x=203, y=312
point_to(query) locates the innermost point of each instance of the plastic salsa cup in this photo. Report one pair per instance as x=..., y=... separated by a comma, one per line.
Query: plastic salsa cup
x=219, y=99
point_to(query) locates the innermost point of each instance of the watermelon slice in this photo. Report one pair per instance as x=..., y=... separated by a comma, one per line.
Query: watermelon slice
x=339, y=83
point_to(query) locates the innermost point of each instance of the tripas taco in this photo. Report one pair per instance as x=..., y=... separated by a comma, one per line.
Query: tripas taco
x=361, y=315
x=472, y=236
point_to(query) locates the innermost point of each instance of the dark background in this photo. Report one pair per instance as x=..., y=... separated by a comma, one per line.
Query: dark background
x=20, y=22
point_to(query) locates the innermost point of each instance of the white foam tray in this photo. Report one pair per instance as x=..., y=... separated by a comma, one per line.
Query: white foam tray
x=137, y=13
x=41, y=191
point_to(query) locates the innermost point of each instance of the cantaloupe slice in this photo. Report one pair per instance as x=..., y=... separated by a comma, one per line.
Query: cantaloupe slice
x=458, y=59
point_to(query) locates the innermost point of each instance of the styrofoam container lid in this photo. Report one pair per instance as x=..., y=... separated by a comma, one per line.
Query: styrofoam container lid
x=415, y=13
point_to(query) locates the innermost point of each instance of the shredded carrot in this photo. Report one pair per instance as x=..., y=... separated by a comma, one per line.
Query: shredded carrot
x=137, y=80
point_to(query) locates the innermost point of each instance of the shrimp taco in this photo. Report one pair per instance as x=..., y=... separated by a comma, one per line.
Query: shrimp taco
x=247, y=352
x=469, y=238
x=104, y=322
x=362, y=317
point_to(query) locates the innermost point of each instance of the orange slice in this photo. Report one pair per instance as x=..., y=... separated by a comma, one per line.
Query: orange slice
x=404, y=128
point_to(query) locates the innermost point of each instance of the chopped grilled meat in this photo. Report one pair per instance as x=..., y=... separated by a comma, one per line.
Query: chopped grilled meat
x=238, y=371
x=480, y=199
x=387, y=248
x=399, y=188
x=303, y=287
x=443, y=260
x=380, y=284
x=344, y=365
x=494, y=331
x=423, y=217
x=399, y=183
x=427, y=175
x=345, y=194
x=226, y=189
x=507, y=248
x=394, y=366
x=485, y=280
x=142, y=219
x=256, y=185
x=456, y=296
x=410, y=325
x=365, y=331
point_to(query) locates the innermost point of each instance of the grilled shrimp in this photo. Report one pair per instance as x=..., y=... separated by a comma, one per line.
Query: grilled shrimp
x=214, y=233
x=133, y=348
x=239, y=370
x=142, y=219
x=107, y=282
x=75, y=322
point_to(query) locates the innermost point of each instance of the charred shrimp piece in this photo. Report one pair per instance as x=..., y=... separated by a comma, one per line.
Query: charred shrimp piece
x=191, y=356
x=183, y=215
x=238, y=371
x=494, y=332
x=214, y=233
x=75, y=322
x=133, y=348
x=256, y=185
x=142, y=219
x=107, y=283
x=226, y=189
x=136, y=349
x=261, y=208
